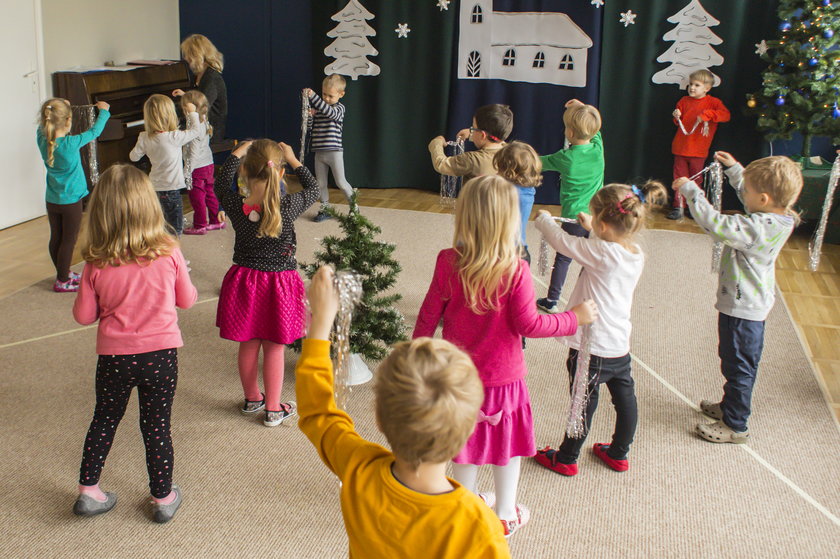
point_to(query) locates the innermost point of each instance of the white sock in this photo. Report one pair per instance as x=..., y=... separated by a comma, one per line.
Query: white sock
x=465, y=474
x=506, y=479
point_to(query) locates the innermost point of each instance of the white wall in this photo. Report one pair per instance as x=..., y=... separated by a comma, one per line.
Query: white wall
x=89, y=32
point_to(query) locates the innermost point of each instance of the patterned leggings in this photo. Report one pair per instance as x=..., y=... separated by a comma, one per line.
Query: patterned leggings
x=155, y=375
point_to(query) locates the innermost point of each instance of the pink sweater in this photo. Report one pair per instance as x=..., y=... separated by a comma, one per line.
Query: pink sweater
x=135, y=304
x=493, y=339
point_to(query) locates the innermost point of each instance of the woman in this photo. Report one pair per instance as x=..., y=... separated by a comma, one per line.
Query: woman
x=206, y=63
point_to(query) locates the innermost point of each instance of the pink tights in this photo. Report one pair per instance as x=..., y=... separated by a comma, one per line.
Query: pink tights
x=273, y=362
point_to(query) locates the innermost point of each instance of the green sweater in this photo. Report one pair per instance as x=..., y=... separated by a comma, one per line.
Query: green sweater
x=581, y=171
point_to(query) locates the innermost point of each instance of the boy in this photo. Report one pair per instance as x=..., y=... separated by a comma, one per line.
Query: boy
x=399, y=504
x=326, y=123
x=696, y=117
x=581, y=168
x=491, y=126
x=768, y=189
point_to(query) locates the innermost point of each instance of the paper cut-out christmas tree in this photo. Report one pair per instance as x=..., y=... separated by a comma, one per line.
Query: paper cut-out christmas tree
x=692, y=48
x=351, y=46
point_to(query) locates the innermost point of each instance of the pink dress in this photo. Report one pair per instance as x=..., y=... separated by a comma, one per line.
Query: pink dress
x=494, y=342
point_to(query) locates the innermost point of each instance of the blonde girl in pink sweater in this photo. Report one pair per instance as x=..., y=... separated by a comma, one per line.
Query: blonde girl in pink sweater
x=484, y=294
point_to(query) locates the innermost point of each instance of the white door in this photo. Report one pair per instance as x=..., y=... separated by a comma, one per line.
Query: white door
x=21, y=168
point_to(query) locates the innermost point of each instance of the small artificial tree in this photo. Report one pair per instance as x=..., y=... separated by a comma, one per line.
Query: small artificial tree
x=801, y=85
x=376, y=323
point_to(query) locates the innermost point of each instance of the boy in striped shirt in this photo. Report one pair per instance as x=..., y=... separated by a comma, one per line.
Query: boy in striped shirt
x=326, y=120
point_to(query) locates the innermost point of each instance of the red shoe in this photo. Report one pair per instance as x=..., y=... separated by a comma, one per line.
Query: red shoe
x=548, y=457
x=600, y=451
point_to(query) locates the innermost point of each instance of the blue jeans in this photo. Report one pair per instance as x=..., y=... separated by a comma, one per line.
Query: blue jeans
x=562, y=262
x=173, y=209
x=526, y=203
x=739, y=348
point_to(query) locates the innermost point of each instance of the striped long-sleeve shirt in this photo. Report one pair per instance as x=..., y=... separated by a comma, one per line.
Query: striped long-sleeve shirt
x=326, y=125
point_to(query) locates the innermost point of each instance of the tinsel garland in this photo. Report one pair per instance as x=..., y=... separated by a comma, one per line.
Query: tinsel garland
x=86, y=116
x=449, y=185
x=576, y=423
x=542, y=257
x=348, y=285
x=815, y=246
x=714, y=181
x=304, y=124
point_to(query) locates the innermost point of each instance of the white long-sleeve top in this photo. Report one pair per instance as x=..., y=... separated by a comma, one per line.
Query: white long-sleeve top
x=164, y=151
x=198, y=152
x=610, y=275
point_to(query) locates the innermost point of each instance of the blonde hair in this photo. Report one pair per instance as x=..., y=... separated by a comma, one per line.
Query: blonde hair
x=198, y=99
x=55, y=115
x=583, y=121
x=623, y=210
x=486, y=240
x=335, y=81
x=778, y=176
x=124, y=221
x=704, y=76
x=519, y=163
x=264, y=162
x=428, y=394
x=200, y=53
x=159, y=114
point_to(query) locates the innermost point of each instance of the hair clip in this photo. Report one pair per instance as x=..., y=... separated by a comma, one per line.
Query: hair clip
x=638, y=192
x=49, y=107
x=270, y=163
x=620, y=207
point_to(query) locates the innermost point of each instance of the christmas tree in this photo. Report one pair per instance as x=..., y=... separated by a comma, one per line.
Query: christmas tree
x=376, y=323
x=801, y=85
x=351, y=46
x=692, y=48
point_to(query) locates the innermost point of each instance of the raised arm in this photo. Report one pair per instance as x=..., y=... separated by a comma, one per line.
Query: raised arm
x=297, y=203
x=225, y=186
x=456, y=165
x=193, y=131
x=94, y=131
x=578, y=249
x=558, y=161
x=332, y=112
x=741, y=232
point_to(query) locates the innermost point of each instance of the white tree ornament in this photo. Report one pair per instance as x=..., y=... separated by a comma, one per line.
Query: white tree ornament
x=692, y=49
x=351, y=46
x=761, y=48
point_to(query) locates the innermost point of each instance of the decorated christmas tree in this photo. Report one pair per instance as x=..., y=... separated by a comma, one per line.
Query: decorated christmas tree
x=376, y=323
x=801, y=86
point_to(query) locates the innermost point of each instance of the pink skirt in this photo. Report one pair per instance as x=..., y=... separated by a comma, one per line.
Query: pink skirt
x=505, y=427
x=261, y=305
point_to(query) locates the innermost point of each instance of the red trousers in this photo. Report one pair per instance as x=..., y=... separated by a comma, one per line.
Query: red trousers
x=686, y=167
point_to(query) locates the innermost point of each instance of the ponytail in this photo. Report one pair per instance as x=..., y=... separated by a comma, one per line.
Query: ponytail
x=264, y=162
x=272, y=220
x=54, y=114
x=625, y=207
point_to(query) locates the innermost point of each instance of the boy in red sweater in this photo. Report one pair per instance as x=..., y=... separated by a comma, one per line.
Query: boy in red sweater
x=696, y=117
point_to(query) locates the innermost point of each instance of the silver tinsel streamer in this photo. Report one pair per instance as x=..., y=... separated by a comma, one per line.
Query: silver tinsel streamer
x=304, y=123
x=576, y=424
x=349, y=287
x=714, y=181
x=450, y=185
x=86, y=115
x=815, y=246
x=542, y=258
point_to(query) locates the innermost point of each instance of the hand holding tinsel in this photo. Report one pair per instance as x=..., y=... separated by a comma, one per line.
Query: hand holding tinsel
x=714, y=189
x=450, y=185
x=544, y=253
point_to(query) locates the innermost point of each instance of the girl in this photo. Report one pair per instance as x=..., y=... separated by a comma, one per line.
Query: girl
x=612, y=263
x=162, y=142
x=134, y=277
x=206, y=64
x=199, y=175
x=520, y=164
x=261, y=303
x=484, y=294
x=66, y=182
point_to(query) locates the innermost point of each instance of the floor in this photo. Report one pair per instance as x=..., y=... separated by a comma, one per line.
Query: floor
x=813, y=298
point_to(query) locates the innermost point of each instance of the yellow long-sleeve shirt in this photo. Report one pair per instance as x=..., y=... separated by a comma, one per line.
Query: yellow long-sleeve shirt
x=383, y=518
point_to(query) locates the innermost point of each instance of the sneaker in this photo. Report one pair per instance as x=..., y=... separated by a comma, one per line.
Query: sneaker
x=523, y=515
x=321, y=216
x=600, y=451
x=164, y=513
x=711, y=409
x=76, y=278
x=195, y=231
x=720, y=432
x=216, y=226
x=68, y=286
x=548, y=457
x=86, y=505
x=489, y=498
x=675, y=214
x=547, y=305
x=250, y=407
x=275, y=418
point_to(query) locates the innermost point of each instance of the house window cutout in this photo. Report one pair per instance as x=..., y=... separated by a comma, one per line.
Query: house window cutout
x=567, y=63
x=510, y=58
x=474, y=65
x=539, y=60
x=477, y=14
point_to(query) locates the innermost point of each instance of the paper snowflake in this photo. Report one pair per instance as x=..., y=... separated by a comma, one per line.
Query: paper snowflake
x=402, y=30
x=628, y=18
x=444, y=4
x=761, y=48
x=597, y=3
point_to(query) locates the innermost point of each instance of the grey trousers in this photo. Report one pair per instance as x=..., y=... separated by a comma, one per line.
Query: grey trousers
x=326, y=161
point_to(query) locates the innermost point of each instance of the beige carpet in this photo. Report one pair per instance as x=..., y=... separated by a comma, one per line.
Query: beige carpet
x=250, y=491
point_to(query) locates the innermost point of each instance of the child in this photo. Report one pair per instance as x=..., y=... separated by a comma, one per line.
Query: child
x=199, y=175
x=581, y=168
x=768, y=188
x=696, y=116
x=134, y=277
x=261, y=303
x=162, y=142
x=520, y=164
x=400, y=503
x=483, y=293
x=491, y=126
x=327, y=123
x=66, y=183
x=612, y=263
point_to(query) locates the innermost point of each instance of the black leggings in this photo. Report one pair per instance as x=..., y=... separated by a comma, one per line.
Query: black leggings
x=65, y=222
x=155, y=375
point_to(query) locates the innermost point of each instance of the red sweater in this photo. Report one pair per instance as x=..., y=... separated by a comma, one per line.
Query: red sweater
x=695, y=144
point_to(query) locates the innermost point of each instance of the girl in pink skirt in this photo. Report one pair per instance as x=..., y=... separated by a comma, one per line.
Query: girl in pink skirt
x=484, y=294
x=261, y=304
